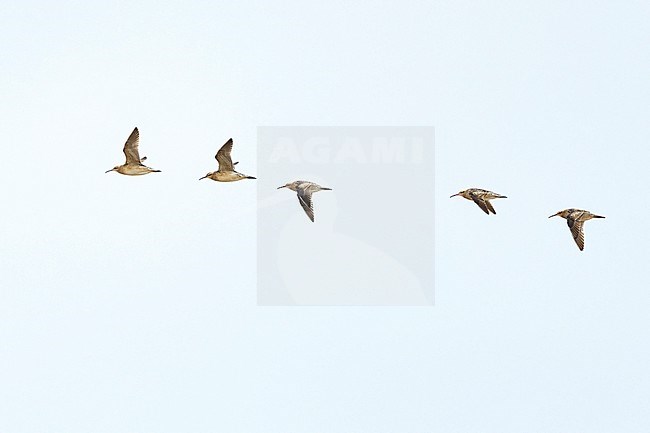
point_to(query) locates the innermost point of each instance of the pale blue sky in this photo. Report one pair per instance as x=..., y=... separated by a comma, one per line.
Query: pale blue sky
x=116, y=315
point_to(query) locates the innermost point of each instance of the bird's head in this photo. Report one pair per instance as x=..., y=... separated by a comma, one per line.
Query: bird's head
x=561, y=213
x=461, y=193
x=207, y=175
x=290, y=185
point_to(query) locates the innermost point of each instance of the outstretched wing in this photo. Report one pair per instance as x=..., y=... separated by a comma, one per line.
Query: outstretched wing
x=223, y=157
x=490, y=207
x=304, y=197
x=480, y=202
x=131, y=148
x=576, y=230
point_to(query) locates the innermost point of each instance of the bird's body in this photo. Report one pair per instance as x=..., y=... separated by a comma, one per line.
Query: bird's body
x=226, y=172
x=133, y=165
x=305, y=189
x=231, y=176
x=481, y=197
x=575, y=219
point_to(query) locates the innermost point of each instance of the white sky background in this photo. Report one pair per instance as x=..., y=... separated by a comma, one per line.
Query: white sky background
x=128, y=304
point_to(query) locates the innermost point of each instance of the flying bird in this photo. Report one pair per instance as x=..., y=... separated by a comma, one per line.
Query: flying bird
x=575, y=218
x=226, y=172
x=481, y=197
x=133, y=165
x=305, y=190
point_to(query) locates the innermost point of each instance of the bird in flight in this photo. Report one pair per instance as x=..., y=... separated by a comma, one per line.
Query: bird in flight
x=226, y=172
x=305, y=190
x=481, y=197
x=133, y=165
x=575, y=218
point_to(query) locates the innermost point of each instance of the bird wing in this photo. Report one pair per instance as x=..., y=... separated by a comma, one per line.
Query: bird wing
x=223, y=157
x=131, y=148
x=576, y=230
x=304, y=197
x=480, y=202
x=490, y=207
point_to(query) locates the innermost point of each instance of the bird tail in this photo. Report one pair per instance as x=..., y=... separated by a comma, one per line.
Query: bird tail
x=250, y=177
x=598, y=216
x=326, y=189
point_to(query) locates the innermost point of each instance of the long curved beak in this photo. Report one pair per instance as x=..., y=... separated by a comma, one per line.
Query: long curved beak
x=454, y=195
x=555, y=214
x=204, y=177
x=283, y=186
x=108, y=171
